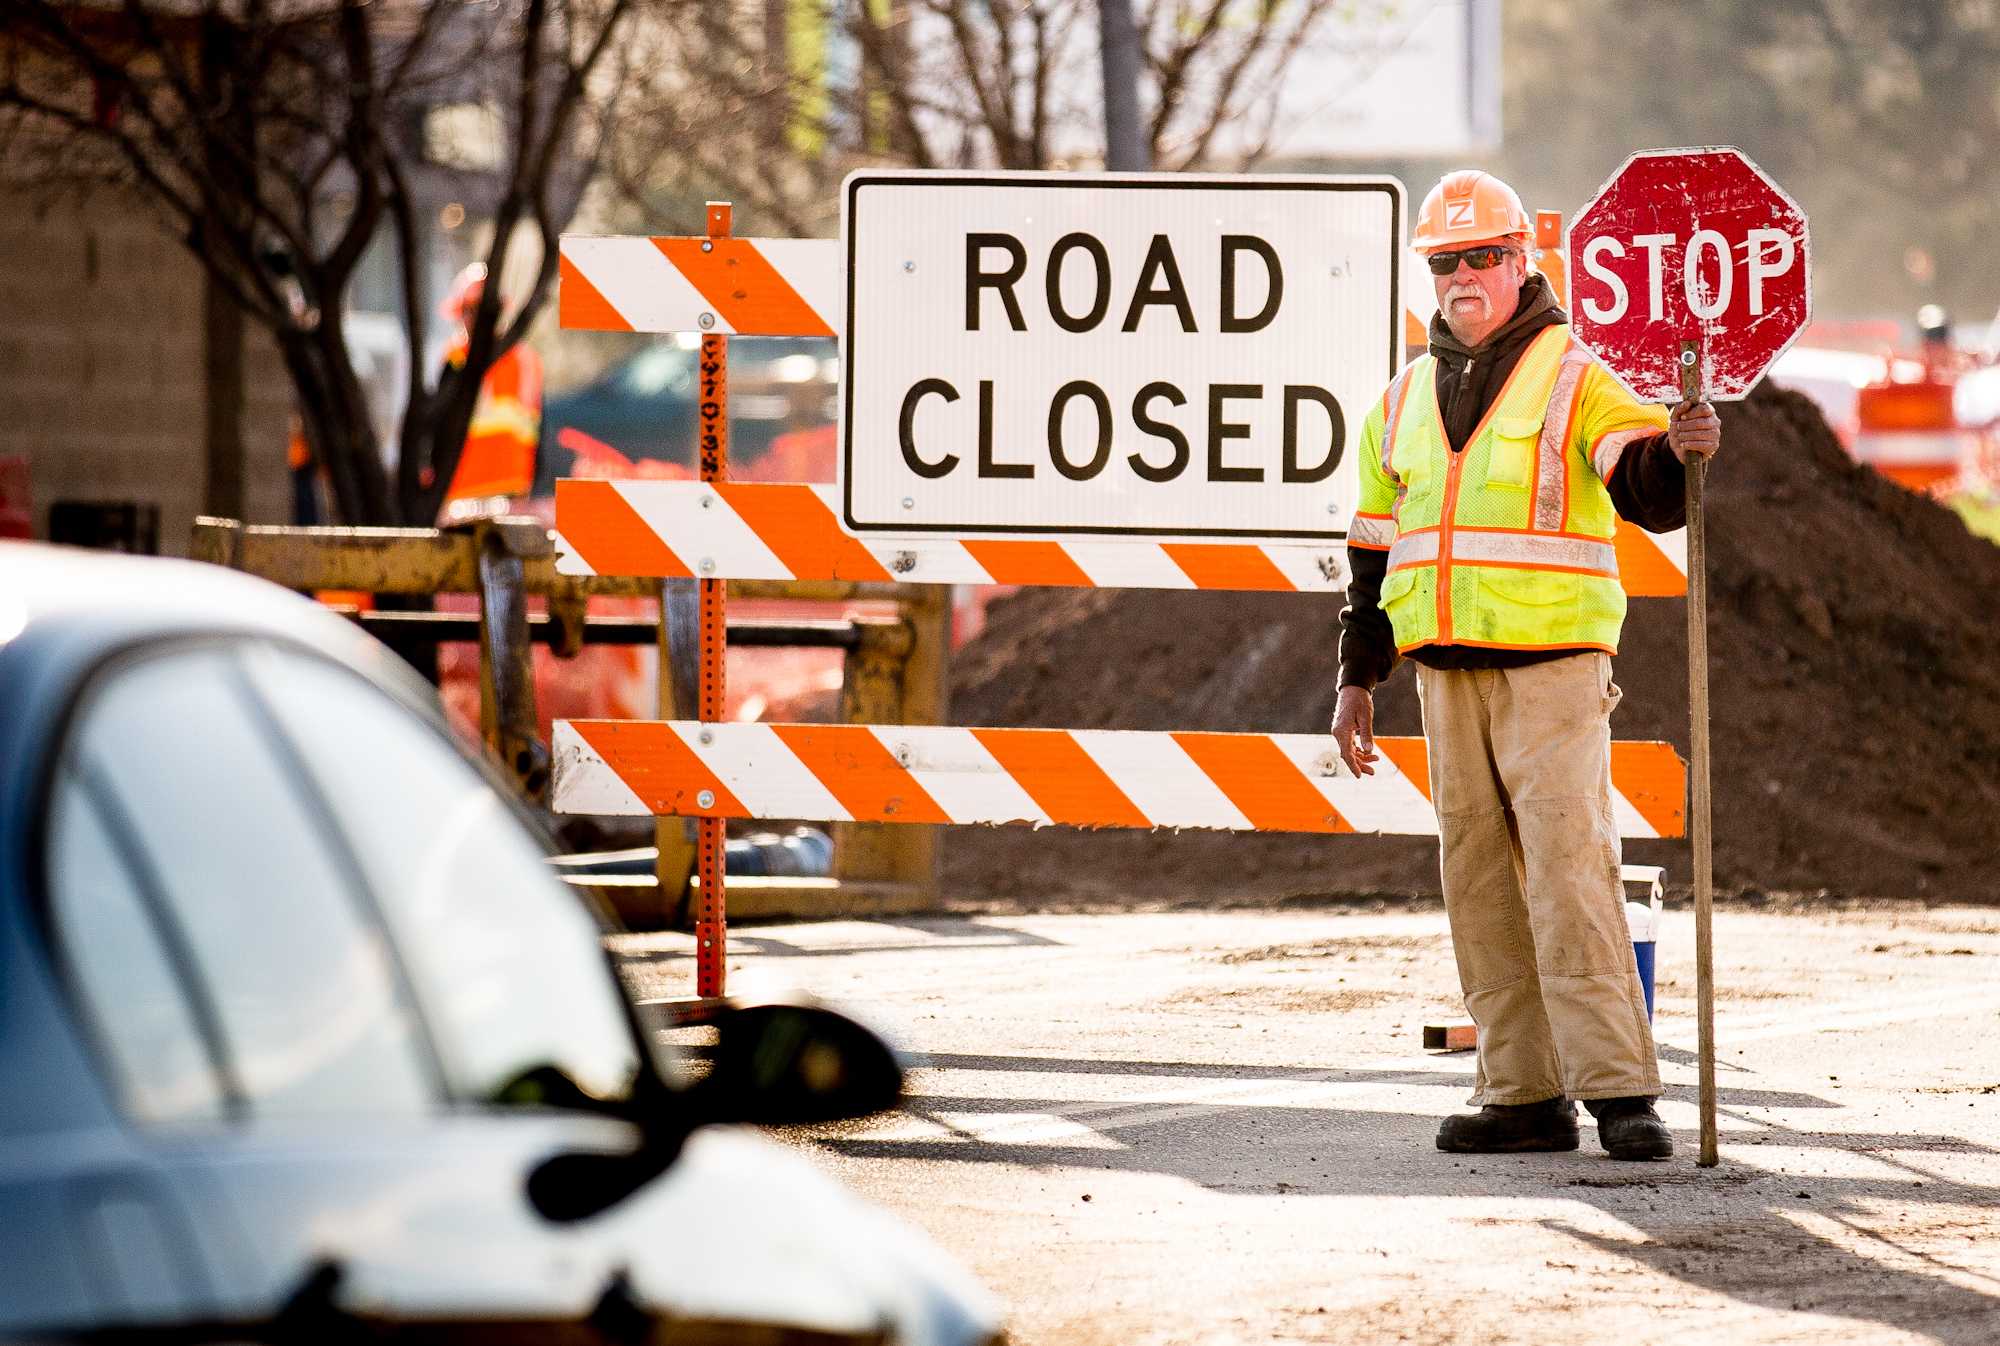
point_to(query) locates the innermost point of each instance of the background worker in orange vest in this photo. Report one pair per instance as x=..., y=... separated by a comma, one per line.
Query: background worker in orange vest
x=1493, y=472
x=304, y=472
x=499, y=456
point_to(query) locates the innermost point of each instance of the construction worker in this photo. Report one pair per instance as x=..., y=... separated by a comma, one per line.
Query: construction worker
x=1493, y=472
x=498, y=460
x=304, y=472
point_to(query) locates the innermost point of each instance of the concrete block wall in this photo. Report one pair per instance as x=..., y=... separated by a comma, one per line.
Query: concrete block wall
x=101, y=367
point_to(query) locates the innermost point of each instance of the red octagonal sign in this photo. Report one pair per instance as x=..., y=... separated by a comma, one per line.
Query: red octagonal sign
x=1689, y=245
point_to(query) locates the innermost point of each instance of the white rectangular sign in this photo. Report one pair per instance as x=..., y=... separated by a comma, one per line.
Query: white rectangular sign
x=1157, y=355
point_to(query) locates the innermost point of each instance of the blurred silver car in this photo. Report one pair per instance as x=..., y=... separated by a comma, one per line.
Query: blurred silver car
x=298, y=1033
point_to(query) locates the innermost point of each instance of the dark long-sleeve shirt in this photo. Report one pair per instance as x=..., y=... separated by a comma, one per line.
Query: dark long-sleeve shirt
x=1648, y=488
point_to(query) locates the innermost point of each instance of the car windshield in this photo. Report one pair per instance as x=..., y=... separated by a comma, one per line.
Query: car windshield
x=507, y=964
x=662, y=369
x=269, y=932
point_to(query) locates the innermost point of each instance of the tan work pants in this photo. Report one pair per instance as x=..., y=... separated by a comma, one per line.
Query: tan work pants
x=1520, y=768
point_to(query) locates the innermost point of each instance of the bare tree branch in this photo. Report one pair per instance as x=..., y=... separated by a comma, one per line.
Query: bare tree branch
x=364, y=152
x=1170, y=72
x=972, y=62
x=1007, y=135
x=1258, y=145
x=1038, y=121
x=275, y=139
x=881, y=51
x=416, y=397
x=568, y=99
x=1221, y=109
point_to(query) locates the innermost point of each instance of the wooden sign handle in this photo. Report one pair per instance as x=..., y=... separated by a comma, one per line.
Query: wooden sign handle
x=1698, y=771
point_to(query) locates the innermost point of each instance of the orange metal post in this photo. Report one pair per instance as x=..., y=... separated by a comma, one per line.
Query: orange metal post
x=711, y=933
x=1549, y=238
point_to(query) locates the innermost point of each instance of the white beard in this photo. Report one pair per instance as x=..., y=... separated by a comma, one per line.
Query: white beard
x=1460, y=320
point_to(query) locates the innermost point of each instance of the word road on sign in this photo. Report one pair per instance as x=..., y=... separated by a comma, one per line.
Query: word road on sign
x=1159, y=283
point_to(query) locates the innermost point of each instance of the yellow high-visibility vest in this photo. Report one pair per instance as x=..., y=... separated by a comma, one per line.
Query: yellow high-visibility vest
x=1506, y=544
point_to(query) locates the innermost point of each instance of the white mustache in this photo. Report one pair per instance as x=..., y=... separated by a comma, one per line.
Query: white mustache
x=1458, y=292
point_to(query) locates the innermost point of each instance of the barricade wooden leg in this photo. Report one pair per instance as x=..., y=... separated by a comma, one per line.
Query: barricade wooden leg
x=926, y=700
x=506, y=667
x=679, y=643
x=896, y=675
x=871, y=692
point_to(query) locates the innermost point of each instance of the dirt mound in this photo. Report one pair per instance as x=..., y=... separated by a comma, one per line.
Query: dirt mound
x=1855, y=691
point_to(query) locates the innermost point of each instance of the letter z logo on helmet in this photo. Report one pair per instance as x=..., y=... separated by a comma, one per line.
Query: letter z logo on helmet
x=1469, y=206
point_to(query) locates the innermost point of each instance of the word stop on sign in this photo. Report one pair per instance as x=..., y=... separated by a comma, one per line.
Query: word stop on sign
x=1150, y=356
x=1708, y=273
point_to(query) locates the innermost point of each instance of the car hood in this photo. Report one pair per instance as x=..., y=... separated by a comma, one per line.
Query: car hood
x=759, y=1233
x=738, y=1230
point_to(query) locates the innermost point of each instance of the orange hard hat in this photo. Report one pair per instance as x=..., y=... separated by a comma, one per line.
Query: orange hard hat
x=463, y=296
x=1469, y=206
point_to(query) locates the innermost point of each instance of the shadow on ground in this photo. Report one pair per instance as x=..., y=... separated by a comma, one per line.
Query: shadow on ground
x=939, y=935
x=1775, y=1240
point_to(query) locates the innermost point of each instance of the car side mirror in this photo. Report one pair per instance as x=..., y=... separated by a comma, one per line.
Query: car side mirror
x=791, y=1061
x=774, y=1062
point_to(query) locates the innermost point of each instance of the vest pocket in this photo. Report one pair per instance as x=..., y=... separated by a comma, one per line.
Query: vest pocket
x=1413, y=474
x=1529, y=588
x=1408, y=601
x=1396, y=586
x=1511, y=460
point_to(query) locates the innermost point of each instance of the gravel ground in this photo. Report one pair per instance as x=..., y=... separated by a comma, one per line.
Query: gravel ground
x=1215, y=1127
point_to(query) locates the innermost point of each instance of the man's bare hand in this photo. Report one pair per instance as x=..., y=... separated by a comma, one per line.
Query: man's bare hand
x=1354, y=729
x=1695, y=429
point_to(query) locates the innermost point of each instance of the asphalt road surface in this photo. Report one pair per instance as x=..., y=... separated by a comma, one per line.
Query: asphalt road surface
x=1216, y=1127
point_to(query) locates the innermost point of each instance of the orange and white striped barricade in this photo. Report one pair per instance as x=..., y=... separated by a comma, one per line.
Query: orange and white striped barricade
x=718, y=286
x=1075, y=777
x=715, y=530
x=787, y=531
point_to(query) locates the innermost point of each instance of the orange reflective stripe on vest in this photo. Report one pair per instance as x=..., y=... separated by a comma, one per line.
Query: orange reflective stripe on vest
x=499, y=453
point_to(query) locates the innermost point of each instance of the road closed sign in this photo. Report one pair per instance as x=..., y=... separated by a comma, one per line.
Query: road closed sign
x=1157, y=356
x=1693, y=246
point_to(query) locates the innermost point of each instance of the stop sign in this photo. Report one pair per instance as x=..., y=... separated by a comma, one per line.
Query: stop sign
x=1689, y=245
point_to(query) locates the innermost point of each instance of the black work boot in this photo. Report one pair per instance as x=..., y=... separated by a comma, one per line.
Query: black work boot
x=1628, y=1128
x=1510, y=1128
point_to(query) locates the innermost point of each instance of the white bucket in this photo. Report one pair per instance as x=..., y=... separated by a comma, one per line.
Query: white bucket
x=1642, y=918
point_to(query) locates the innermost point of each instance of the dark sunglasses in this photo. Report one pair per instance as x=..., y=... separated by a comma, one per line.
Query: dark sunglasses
x=1479, y=259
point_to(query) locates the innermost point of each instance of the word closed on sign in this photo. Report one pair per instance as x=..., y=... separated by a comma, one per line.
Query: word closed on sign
x=1689, y=245
x=1170, y=356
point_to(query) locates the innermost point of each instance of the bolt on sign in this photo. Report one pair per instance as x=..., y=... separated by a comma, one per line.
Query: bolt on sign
x=1091, y=356
x=1696, y=245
